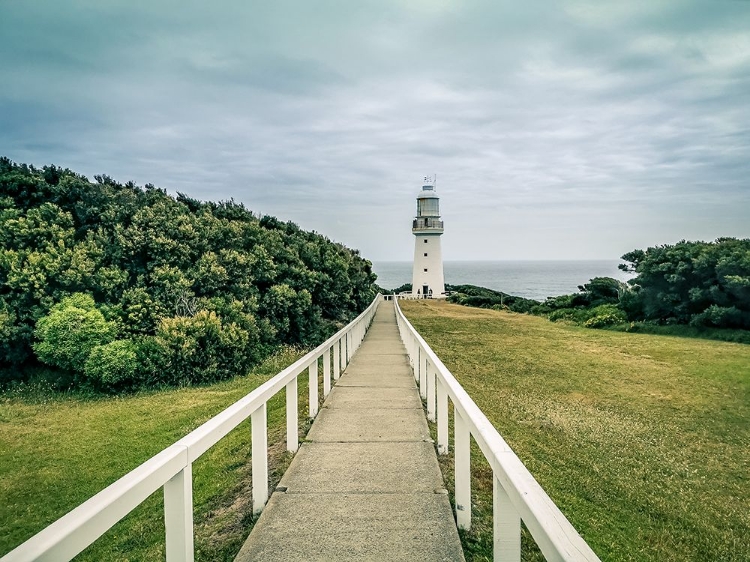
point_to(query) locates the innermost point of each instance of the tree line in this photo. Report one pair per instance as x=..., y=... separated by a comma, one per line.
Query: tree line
x=116, y=286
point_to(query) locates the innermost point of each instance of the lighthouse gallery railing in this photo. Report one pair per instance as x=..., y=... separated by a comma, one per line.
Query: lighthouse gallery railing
x=172, y=468
x=516, y=494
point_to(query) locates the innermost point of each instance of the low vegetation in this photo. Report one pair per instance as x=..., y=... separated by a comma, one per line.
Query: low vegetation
x=640, y=439
x=59, y=449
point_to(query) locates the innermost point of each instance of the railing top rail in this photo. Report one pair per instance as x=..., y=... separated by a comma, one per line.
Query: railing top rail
x=61, y=540
x=204, y=437
x=553, y=533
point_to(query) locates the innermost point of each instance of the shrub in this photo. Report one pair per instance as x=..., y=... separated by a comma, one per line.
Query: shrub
x=70, y=331
x=722, y=317
x=113, y=365
x=605, y=315
x=199, y=349
x=577, y=315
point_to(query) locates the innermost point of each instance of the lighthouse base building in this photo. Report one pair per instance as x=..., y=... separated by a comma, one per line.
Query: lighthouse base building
x=427, y=273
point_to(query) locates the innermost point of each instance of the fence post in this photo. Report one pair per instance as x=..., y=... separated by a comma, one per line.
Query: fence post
x=442, y=417
x=342, y=349
x=326, y=372
x=292, y=416
x=423, y=375
x=431, y=376
x=415, y=353
x=312, y=372
x=178, y=516
x=336, y=360
x=259, y=454
x=462, y=470
x=506, y=542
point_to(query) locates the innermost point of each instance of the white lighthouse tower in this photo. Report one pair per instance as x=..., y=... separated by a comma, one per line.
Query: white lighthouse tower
x=427, y=276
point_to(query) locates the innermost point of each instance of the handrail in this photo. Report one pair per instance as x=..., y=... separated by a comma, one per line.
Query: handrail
x=517, y=496
x=172, y=467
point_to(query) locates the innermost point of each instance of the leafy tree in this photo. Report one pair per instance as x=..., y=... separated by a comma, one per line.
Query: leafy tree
x=701, y=283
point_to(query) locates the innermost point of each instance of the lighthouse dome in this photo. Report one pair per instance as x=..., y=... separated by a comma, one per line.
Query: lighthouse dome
x=427, y=192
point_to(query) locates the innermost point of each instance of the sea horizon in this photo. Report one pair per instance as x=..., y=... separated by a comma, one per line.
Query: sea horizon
x=533, y=279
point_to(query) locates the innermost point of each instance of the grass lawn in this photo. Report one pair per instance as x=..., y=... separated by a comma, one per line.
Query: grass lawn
x=643, y=441
x=56, y=451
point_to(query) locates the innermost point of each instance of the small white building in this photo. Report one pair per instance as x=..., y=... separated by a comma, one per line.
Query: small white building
x=427, y=275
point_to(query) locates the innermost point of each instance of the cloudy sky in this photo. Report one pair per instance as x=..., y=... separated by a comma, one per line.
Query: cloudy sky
x=557, y=130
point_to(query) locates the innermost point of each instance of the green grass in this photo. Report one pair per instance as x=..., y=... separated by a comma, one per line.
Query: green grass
x=641, y=440
x=680, y=330
x=57, y=450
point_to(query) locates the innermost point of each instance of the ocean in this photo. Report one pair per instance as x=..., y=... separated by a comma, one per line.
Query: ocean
x=530, y=279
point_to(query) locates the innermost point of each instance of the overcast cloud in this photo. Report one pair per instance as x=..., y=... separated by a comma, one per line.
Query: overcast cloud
x=557, y=130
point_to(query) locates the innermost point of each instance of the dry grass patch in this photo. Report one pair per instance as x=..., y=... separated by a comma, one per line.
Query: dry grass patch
x=640, y=439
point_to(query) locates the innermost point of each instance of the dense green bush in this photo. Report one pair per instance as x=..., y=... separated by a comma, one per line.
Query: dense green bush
x=721, y=317
x=145, y=258
x=605, y=315
x=200, y=349
x=70, y=331
x=697, y=283
x=113, y=365
x=481, y=297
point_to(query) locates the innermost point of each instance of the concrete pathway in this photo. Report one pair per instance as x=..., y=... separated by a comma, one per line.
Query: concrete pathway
x=365, y=485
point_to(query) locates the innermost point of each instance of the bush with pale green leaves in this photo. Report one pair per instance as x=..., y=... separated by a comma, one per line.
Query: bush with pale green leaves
x=73, y=327
x=113, y=365
x=605, y=315
x=200, y=349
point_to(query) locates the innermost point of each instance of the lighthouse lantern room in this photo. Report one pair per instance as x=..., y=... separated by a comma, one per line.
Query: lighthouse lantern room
x=427, y=274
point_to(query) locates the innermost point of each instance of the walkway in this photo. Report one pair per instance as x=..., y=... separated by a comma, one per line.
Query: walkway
x=365, y=485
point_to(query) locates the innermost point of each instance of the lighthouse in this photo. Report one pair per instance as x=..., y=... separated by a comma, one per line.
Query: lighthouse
x=427, y=274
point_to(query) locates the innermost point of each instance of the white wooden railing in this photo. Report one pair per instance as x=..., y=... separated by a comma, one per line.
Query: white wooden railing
x=516, y=495
x=172, y=467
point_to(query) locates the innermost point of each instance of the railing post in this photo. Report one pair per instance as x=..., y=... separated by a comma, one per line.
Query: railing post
x=312, y=372
x=506, y=542
x=431, y=394
x=442, y=418
x=326, y=372
x=259, y=453
x=462, y=475
x=415, y=362
x=178, y=516
x=423, y=376
x=342, y=352
x=336, y=360
x=292, y=416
